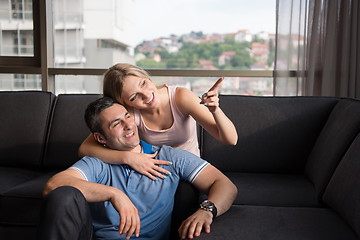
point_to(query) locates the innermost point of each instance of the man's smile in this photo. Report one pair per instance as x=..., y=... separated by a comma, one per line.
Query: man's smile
x=129, y=135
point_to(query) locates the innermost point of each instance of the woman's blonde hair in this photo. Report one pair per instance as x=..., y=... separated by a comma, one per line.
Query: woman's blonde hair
x=114, y=79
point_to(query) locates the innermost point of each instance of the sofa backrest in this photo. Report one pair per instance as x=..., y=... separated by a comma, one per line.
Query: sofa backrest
x=343, y=191
x=276, y=134
x=338, y=133
x=67, y=130
x=24, y=119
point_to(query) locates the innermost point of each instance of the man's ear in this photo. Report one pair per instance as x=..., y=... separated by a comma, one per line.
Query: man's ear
x=99, y=137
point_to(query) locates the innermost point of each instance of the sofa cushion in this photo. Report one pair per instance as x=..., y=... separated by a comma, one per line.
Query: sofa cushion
x=343, y=192
x=276, y=134
x=185, y=203
x=18, y=232
x=21, y=204
x=68, y=130
x=11, y=177
x=338, y=133
x=274, y=189
x=279, y=223
x=24, y=120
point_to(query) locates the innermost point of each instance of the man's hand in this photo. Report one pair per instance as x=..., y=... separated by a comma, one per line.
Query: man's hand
x=147, y=165
x=193, y=225
x=129, y=217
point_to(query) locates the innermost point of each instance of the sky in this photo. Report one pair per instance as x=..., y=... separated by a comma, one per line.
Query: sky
x=160, y=18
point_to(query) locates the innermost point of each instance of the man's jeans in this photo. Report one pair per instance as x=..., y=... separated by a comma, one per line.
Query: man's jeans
x=65, y=214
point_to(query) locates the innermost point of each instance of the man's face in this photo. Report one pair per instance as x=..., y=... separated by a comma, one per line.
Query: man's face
x=119, y=129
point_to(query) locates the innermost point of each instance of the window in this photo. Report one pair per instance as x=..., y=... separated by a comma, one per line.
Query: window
x=16, y=25
x=206, y=35
x=184, y=39
x=169, y=35
x=17, y=82
x=23, y=43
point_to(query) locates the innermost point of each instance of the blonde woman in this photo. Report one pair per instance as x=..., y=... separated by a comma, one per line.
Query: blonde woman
x=165, y=116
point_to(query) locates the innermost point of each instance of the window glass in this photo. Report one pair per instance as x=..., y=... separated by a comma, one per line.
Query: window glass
x=16, y=28
x=78, y=84
x=206, y=35
x=164, y=34
x=19, y=82
x=161, y=34
x=230, y=85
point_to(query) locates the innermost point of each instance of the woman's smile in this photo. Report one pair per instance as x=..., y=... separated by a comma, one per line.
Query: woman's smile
x=151, y=99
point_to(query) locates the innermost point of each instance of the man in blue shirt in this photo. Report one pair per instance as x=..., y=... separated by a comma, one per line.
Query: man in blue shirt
x=128, y=204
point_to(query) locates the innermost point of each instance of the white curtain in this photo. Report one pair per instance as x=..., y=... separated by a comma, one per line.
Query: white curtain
x=318, y=50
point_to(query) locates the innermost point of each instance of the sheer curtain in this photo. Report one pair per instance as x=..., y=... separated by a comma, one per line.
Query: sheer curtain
x=318, y=48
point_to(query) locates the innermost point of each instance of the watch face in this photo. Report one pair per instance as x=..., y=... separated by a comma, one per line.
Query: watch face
x=209, y=206
x=207, y=203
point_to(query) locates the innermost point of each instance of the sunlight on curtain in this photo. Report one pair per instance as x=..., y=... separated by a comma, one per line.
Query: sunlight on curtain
x=319, y=40
x=291, y=37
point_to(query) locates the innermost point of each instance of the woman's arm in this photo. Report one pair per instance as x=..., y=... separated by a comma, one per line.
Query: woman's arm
x=142, y=163
x=208, y=114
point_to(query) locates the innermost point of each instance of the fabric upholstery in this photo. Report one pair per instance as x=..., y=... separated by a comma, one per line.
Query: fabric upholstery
x=274, y=189
x=343, y=194
x=11, y=177
x=24, y=119
x=279, y=223
x=13, y=232
x=21, y=204
x=186, y=202
x=335, y=138
x=68, y=130
x=276, y=134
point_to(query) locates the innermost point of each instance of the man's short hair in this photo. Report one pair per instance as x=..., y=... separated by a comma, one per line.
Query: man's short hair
x=93, y=111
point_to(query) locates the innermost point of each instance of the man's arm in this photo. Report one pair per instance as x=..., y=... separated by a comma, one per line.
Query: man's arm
x=220, y=190
x=94, y=192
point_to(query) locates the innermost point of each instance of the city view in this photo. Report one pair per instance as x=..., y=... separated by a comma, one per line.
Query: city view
x=240, y=50
x=80, y=40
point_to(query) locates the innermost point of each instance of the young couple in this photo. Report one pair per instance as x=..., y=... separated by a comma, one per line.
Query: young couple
x=138, y=178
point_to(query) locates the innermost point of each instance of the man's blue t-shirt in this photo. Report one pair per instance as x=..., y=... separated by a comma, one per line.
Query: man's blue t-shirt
x=154, y=200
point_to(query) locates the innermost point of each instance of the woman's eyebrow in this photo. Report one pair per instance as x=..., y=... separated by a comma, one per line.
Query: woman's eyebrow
x=140, y=81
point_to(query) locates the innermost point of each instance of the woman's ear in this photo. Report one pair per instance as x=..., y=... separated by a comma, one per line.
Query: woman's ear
x=99, y=138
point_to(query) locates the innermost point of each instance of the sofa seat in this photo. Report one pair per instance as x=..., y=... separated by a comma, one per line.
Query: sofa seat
x=279, y=223
x=11, y=177
x=287, y=190
x=26, y=198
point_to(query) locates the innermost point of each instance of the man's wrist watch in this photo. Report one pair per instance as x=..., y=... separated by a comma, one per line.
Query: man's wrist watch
x=209, y=206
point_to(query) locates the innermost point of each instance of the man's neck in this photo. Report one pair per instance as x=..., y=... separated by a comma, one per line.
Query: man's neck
x=137, y=149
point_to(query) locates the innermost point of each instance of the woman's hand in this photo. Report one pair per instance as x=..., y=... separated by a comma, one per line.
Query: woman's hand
x=147, y=165
x=210, y=99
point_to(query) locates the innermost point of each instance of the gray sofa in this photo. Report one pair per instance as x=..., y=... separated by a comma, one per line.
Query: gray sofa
x=296, y=164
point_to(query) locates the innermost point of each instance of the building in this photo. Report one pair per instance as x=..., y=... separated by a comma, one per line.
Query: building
x=225, y=57
x=260, y=51
x=80, y=39
x=243, y=36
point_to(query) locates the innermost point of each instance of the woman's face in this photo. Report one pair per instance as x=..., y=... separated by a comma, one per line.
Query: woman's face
x=140, y=93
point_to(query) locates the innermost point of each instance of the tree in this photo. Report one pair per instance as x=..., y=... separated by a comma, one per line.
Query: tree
x=150, y=63
x=190, y=54
x=242, y=60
